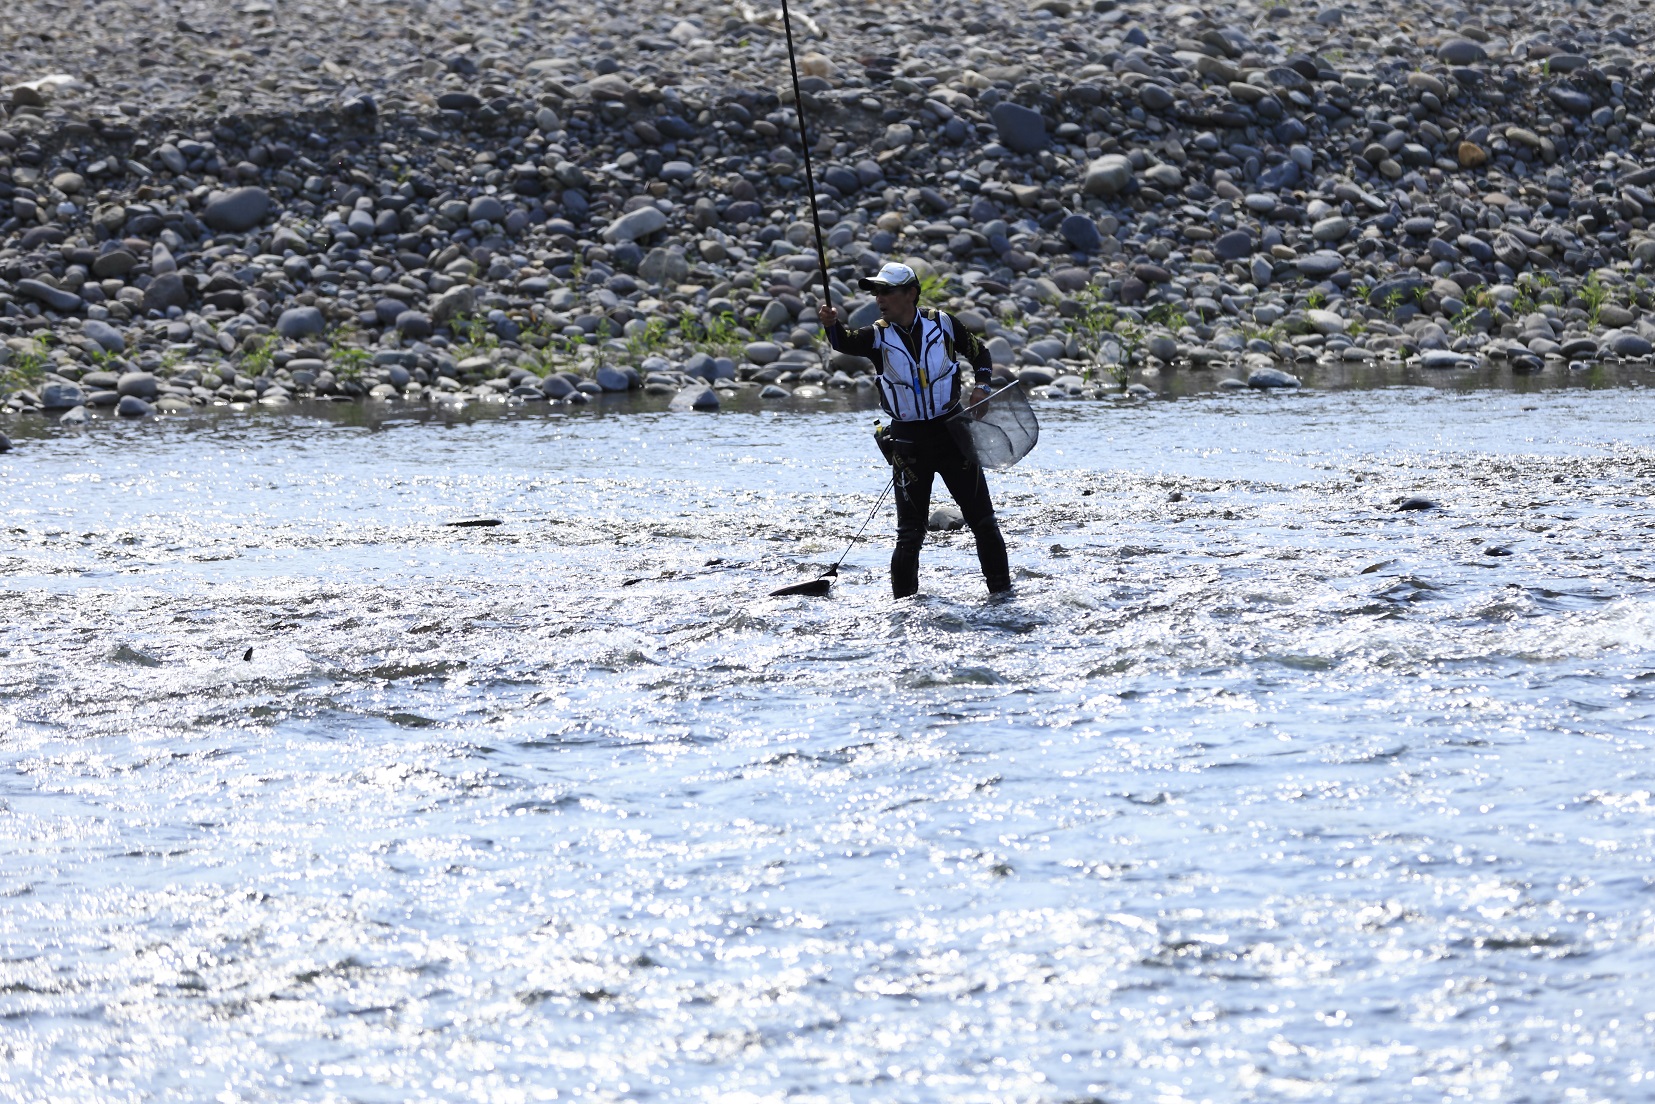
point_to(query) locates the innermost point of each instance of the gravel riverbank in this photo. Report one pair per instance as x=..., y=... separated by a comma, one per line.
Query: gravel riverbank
x=452, y=202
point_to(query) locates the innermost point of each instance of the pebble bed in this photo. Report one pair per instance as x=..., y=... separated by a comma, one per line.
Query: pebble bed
x=514, y=202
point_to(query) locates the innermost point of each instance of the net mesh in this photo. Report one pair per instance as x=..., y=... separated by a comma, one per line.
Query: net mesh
x=1000, y=430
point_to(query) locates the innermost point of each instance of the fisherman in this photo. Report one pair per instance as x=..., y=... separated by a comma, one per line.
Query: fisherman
x=919, y=355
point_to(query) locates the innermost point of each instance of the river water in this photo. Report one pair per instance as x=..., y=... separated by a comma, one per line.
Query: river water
x=1258, y=790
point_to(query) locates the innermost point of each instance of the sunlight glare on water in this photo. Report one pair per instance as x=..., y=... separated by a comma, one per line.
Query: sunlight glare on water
x=1259, y=789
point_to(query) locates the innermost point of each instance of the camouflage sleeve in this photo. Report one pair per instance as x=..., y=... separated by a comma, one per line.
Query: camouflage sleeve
x=971, y=349
x=857, y=342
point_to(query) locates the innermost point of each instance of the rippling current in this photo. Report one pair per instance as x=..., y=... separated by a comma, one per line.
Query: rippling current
x=1258, y=790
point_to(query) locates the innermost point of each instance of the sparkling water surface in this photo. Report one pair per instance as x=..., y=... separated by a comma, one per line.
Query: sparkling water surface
x=1258, y=790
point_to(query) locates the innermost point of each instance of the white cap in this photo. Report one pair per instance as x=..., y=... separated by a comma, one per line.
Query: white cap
x=893, y=275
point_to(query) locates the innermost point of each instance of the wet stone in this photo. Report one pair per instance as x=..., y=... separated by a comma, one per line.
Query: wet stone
x=1265, y=379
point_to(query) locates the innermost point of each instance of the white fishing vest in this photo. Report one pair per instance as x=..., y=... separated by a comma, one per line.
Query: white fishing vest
x=913, y=390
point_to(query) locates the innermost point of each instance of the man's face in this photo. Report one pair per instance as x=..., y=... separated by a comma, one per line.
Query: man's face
x=897, y=305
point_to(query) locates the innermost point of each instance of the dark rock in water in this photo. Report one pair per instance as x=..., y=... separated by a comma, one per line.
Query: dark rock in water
x=695, y=397
x=556, y=387
x=131, y=406
x=247, y=656
x=1496, y=550
x=613, y=379
x=1416, y=503
x=1021, y=129
x=1525, y=364
x=945, y=519
x=1630, y=345
x=238, y=210
x=5, y=443
x=60, y=396
x=1081, y=233
x=1269, y=378
x=297, y=322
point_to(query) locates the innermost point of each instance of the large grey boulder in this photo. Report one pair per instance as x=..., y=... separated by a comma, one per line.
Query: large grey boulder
x=56, y=298
x=1107, y=175
x=634, y=225
x=166, y=290
x=298, y=322
x=141, y=385
x=60, y=396
x=107, y=336
x=237, y=210
x=665, y=266
x=1021, y=129
x=697, y=396
x=453, y=303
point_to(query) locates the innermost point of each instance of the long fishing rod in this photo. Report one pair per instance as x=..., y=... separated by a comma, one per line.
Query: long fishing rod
x=804, y=141
x=819, y=585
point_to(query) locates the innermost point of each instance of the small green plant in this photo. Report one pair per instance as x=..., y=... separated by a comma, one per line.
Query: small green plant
x=1316, y=300
x=719, y=336
x=350, y=362
x=1595, y=295
x=1360, y=292
x=28, y=368
x=1391, y=303
x=103, y=358
x=257, y=360
x=650, y=339
x=476, y=337
x=1165, y=314
x=1461, y=322
x=1113, y=339
x=1271, y=333
x=934, y=289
